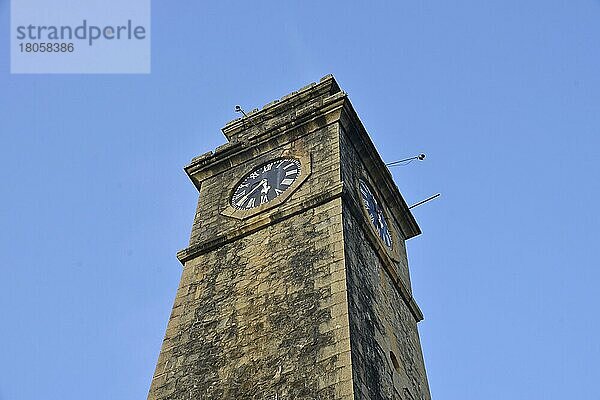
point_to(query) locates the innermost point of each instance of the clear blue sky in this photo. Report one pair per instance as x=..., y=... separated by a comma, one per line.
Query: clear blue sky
x=503, y=96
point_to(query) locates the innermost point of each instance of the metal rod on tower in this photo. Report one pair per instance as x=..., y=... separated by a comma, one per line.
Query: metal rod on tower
x=424, y=201
x=239, y=109
x=406, y=161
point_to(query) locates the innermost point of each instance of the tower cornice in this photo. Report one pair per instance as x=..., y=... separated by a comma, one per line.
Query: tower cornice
x=270, y=115
x=296, y=121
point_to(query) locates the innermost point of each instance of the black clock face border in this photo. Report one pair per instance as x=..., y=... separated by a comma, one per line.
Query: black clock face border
x=265, y=183
x=375, y=213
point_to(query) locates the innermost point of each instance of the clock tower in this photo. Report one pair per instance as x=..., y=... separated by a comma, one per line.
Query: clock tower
x=295, y=282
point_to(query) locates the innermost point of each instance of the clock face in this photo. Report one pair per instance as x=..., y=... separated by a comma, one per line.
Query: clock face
x=265, y=183
x=375, y=213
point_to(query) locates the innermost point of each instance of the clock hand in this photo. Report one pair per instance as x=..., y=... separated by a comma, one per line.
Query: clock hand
x=243, y=199
x=266, y=187
x=264, y=193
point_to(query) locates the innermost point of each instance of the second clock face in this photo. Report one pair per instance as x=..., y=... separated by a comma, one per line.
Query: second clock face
x=265, y=183
x=375, y=213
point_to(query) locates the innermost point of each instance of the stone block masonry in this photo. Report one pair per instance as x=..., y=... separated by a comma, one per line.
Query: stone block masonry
x=262, y=317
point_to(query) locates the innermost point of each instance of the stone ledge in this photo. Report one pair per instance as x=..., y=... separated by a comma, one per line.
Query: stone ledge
x=269, y=218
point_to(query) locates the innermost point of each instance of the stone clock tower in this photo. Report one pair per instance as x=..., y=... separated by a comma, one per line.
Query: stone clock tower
x=295, y=283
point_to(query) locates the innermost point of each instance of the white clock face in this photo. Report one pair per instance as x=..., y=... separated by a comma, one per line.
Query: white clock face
x=266, y=183
x=375, y=213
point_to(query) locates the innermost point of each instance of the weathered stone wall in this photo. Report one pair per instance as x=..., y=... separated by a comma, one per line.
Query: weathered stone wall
x=263, y=317
x=381, y=323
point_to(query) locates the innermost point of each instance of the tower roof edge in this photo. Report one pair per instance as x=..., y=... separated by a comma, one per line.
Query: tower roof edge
x=247, y=125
